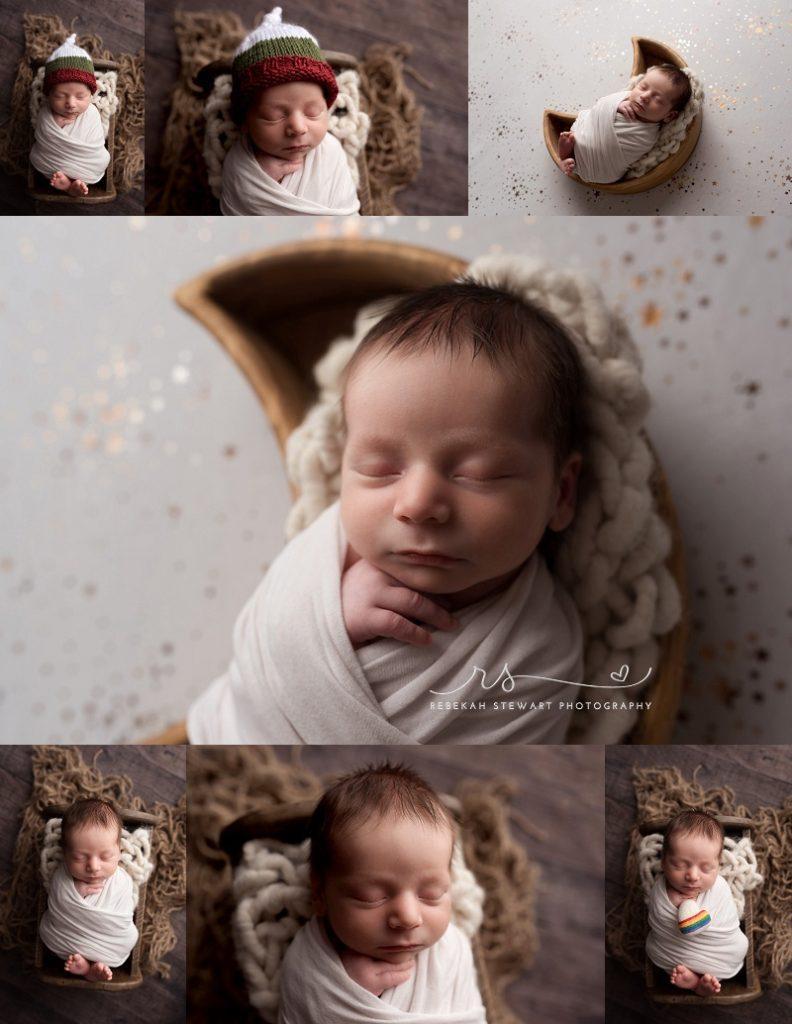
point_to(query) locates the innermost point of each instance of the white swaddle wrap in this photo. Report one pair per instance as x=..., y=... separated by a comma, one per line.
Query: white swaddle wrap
x=719, y=948
x=100, y=927
x=78, y=149
x=316, y=989
x=323, y=186
x=606, y=142
x=295, y=677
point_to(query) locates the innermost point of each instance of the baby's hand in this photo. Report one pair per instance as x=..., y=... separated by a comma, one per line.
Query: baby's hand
x=277, y=168
x=375, y=976
x=377, y=605
x=629, y=111
x=88, y=888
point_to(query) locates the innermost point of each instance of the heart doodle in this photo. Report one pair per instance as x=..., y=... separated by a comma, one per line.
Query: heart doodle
x=621, y=675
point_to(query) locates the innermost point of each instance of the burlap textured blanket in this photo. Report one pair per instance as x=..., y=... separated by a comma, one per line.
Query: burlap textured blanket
x=295, y=677
x=322, y=187
x=717, y=947
x=77, y=149
x=315, y=988
x=99, y=926
x=606, y=142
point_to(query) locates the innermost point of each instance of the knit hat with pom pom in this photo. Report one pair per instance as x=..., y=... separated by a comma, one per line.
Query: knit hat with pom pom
x=275, y=53
x=69, y=63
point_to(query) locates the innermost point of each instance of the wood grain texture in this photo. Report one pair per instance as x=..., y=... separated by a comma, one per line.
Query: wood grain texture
x=121, y=25
x=760, y=776
x=436, y=30
x=158, y=773
x=561, y=795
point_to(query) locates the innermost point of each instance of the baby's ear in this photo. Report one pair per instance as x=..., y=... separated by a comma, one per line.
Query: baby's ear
x=564, y=510
x=670, y=116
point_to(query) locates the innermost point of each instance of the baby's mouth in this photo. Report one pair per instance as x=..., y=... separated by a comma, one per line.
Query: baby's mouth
x=426, y=558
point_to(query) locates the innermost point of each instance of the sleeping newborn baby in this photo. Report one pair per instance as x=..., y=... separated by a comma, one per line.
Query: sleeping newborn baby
x=694, y=928
x=391, y=618
x=285, y=161
x=69, y=144
x=90, y=902
x=619, y=129
x=381, y=946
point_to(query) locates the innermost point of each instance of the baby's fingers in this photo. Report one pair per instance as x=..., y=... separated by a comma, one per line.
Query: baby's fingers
x=419, y=608
x=391, y=624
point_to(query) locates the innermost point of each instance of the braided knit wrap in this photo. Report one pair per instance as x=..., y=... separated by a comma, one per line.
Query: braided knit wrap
x=105, y=96
x=612, y=558
x=272, y=893
x=348, y=122
x=671, y=135
x=135, y=854
x=737, y=865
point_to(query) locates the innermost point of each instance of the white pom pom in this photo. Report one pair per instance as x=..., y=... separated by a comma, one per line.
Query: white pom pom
x=274, y=16
x=72, y=40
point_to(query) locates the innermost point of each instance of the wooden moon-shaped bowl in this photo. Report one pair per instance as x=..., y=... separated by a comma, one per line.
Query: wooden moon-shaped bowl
x=646, y=52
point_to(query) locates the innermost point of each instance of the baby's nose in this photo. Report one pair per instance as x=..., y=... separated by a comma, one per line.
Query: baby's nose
x=420, y=499
x=405, y=914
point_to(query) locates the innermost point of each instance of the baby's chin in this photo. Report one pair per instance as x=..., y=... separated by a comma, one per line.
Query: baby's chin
x=428, y=579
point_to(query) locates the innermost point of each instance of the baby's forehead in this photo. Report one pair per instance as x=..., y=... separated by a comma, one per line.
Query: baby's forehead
x=659, y=79
x=696, y=842
x=90, y=832
x=360, y=832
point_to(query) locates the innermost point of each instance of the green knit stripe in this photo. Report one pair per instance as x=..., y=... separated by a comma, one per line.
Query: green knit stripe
x=73, y=63
x=288, y=46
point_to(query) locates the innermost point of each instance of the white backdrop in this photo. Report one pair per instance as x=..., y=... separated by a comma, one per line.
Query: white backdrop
x=142, y=494
x=565, y=54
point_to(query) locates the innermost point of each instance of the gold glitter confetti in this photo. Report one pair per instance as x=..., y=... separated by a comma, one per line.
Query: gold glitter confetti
x=651, y=315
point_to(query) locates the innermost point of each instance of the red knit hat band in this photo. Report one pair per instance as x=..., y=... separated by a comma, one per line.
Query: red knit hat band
x=62, y=75
x=283, y=69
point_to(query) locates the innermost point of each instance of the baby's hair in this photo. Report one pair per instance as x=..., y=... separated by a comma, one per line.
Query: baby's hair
x=384, y=790
x=680, y=82
x=695, y=823
x=89, y=812
x=513, y=335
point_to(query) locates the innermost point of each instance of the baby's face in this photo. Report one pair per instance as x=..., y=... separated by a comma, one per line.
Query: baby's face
x=654, y=96
x=388, y=892
x=92, y=853
x=287, y=121
x=444, y=483
x=691, y=865
x=69, y=99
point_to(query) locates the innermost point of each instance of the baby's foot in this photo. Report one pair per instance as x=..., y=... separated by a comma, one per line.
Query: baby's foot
x=99, y=972
x=568, y=166
x=76, y=964
x=60, y=181
x=77, y=188
x=566, y=144
x=683, y=977
x=708, y=985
